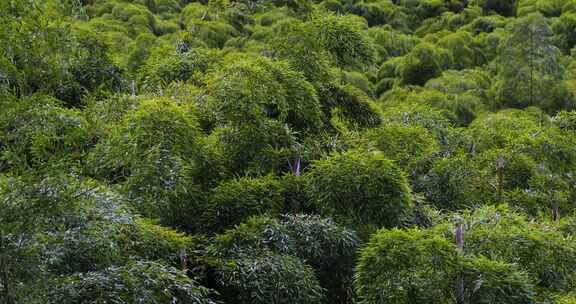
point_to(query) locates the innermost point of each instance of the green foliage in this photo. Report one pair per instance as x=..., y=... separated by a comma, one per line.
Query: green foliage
x=451, y=185
x=241, y=141
x=518, y=168
x=250, y=90
x=350, y=105
x=568, y=225
x=465, y=53
x=528, y=76
x=324, y=245
x=543, y=252
x=474, y=82
x=566, y=120
x=505, y=8
x=529, y=131
x=232, y=202
x=465, y=94
x=58, y=226
x=486, y=24
x=406, y=267
x=382, y=12
x=419, y=115
x=552, y=8
x=343, y=38
x=297, y=43
x=497, y=130
x=254, y=148
x=462, y=109
x=168, y=66
x=315, y=241
x=359, y=81
x=389, y=43
x=93, y=70
x=423, y=63
x=565, y=299
x=29, y=59
x=496, y=281
x=213, y=33
x=409, y=146
x=309, y=237
x=155, y=152
x=451, y=21
x=417, y=266
x=37, y=132
x=360, y=188
x=156, y=123
x=268, y=278
x=564, y=28
x=135, y=282
x=103, y=114
x=194, y=11
x=153, y=242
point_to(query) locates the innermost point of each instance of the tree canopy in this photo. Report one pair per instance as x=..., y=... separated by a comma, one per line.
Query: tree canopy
x=287, y=151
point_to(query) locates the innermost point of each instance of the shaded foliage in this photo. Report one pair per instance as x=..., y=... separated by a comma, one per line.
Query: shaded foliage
x=287, y=151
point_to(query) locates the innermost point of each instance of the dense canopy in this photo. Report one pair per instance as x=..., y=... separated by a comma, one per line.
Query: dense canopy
x=287, y=151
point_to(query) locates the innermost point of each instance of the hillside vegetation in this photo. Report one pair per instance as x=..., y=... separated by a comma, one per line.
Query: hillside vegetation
x=287, y=151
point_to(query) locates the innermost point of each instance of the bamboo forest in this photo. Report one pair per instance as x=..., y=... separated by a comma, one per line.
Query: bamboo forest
x=287, y=151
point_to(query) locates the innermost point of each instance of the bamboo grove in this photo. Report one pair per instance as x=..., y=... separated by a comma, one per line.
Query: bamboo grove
x=287, y=151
